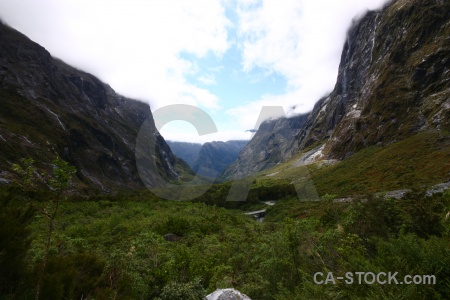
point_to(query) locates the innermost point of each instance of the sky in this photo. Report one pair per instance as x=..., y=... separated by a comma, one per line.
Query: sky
x=229, y=58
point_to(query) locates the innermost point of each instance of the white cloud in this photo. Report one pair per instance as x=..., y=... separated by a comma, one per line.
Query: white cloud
x=135, y=46
x=301, y=40
x=246, y=116
x=208, y=79
x=193, y=137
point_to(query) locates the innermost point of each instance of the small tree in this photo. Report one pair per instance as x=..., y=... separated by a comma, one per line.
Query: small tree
x=58, y=182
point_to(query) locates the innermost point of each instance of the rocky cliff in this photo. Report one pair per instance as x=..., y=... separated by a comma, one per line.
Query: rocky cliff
x=393, y=82
x=272, y=143
x=50, y=109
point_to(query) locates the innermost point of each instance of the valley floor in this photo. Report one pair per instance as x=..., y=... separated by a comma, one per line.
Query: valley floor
x=118, y=248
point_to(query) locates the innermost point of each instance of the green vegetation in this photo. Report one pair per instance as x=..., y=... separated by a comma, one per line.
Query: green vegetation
x=416, y=162
x=58, y=182
x=134, y=245
x=116, y=247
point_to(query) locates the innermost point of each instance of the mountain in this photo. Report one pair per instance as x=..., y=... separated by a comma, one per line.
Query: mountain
x=270, y=145
x=209, y=159
x=214, y=157
x=186, y=151
x=393, y=80
x=393, y=83
x=50, y=109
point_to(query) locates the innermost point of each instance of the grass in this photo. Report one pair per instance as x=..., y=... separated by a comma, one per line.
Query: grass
x=419, y=161
x=416, y=162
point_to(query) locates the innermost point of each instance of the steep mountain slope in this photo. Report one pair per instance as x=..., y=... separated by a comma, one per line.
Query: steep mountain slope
x=214, y=157
x=393, y=79
x=270, y=144
x=186, y=151
x=393, y=82
x=420, y=161
x=49, y=108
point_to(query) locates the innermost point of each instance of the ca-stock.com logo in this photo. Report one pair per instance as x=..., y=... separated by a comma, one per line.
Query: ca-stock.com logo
x=146, y=157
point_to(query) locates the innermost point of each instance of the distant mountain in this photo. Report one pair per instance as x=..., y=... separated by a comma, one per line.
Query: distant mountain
x=214, y=157
x=393, y=82
x=271, y=144
x=186, y=151
x=49, y=109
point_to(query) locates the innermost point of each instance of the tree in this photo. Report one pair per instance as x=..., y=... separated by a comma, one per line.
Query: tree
x=58, y=182
x=14, y=244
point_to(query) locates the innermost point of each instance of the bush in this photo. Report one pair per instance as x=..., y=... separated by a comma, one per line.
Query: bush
x=14, y=243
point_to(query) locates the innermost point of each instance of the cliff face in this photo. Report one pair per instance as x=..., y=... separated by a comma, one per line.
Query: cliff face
x=274, y=141
x=393, y=82
x=49, y=108
x=394, y=78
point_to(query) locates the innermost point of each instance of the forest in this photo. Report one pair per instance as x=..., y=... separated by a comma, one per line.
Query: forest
x=134, y=245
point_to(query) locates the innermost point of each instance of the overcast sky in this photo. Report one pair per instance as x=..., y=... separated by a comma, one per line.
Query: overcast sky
x=227, y=57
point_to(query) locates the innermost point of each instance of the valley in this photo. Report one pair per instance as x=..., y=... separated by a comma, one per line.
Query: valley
x=359, y=184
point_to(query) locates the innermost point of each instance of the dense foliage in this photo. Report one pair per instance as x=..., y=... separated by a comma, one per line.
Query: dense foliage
x=114, y=248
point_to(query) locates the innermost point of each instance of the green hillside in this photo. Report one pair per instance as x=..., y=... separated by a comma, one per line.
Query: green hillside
x=417, y=162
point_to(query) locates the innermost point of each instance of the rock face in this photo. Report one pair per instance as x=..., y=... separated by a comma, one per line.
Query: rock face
x=393, y=82
x=227, y=294
x=394, y=79
x=214, y=157
x=48, y=108
x=271, y=144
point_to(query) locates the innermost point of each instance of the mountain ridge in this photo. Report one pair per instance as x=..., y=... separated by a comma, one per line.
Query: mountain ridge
x=392, y=84
x=214, y=157
x=52, y=109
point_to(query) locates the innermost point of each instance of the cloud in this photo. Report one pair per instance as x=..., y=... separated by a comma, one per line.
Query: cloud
x=207, y=79
x=135, y=45
x=247, y=116
x=139, y=47
x=301, y=40
x=193, y=137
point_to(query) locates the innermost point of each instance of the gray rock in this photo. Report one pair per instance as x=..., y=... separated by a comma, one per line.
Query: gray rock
x=272, y=143
x=227, y=294
x=171, y=237
x=74, y=116
x=392, y=83
x=438, y=188
x=397, y=194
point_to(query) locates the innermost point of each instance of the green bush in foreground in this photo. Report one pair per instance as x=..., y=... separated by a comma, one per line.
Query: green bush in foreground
x=113, y=248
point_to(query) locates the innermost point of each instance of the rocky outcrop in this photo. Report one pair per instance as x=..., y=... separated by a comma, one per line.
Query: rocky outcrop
x=51, y=109
x=393, y=82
